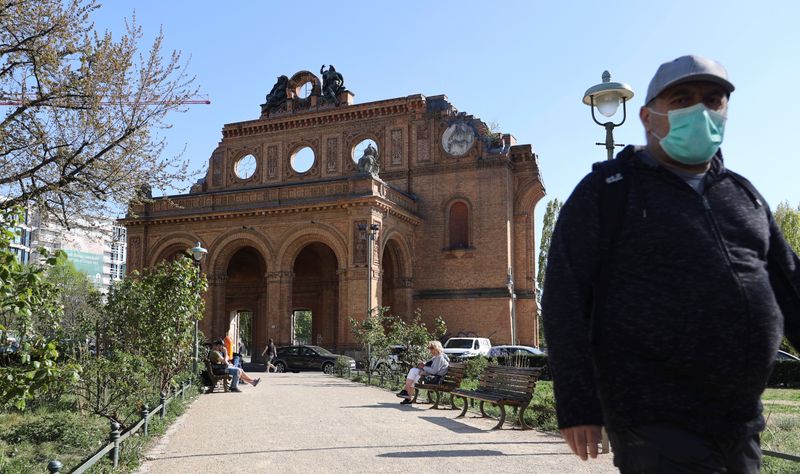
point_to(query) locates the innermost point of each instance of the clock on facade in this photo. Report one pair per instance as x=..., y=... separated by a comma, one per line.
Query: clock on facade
x=245, y=167
x=458, y=138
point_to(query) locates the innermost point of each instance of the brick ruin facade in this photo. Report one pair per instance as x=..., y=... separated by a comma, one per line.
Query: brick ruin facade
x=453, y=203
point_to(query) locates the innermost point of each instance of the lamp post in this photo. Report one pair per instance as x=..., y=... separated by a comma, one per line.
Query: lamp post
x=606, y=97
x=198, y=253
x=513, y=293
x=370, y=234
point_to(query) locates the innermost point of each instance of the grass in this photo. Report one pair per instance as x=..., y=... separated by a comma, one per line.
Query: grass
x=29, y=440
x=782, y=433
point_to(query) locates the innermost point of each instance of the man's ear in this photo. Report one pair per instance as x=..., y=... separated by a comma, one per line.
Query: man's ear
x=644, y=116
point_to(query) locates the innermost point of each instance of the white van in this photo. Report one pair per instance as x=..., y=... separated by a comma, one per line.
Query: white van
x=465, y=347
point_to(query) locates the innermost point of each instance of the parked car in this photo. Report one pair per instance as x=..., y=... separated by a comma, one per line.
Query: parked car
x=782, y=355
x=390, y=362
x=302, y=357
x=466, y=347
x=10, y=345
x=514, y=351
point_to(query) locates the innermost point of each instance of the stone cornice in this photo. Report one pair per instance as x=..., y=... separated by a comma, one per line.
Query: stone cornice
x=278, y=200
x=329, y=116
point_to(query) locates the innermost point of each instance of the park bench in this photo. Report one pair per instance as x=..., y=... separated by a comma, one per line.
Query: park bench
x=449, y=382
x=503, y=386
x=216, y=378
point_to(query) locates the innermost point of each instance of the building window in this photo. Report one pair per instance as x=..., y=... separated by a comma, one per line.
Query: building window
x=459, y=226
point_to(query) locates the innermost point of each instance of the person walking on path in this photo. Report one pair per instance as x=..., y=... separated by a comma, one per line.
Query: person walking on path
x=667, y=291
x=271, y=353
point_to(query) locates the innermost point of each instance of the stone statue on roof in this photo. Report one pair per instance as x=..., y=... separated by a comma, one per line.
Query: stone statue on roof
x=276, y=96
x=332, y=84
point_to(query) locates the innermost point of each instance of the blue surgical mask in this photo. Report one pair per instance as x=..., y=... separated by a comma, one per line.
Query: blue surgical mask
x=695, y=134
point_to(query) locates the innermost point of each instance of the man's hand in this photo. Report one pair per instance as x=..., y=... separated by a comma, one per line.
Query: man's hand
x=579, y=437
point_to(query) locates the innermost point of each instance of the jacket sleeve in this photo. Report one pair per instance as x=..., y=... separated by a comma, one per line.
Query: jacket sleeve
x=784, y=272
x=567, y=305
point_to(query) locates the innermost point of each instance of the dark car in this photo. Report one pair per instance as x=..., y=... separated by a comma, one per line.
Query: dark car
x=297, y=358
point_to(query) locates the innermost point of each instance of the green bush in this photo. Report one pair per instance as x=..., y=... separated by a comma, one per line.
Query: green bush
x=473, y=366
x=786, y=373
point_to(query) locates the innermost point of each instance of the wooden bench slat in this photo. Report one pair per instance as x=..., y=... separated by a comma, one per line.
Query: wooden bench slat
x=503, y=386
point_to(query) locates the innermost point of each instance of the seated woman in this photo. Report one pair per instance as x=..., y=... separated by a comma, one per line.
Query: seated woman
x=433, y=370
x=219, y=359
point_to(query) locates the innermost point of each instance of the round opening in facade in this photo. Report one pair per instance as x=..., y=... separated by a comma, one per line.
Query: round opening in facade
x=245, y=166
x=303, y=159
x=358, y=150
x=305, y=90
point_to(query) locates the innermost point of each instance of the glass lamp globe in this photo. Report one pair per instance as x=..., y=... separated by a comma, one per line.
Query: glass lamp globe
x=608, y=103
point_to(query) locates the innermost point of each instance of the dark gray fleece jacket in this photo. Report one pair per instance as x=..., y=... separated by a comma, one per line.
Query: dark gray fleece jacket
x=696, y=291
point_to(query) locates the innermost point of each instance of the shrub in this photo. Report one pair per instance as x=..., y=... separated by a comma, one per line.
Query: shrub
x=474, y=366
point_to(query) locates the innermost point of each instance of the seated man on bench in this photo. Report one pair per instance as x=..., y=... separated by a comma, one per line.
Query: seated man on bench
x=433, y=370
x=219, y=361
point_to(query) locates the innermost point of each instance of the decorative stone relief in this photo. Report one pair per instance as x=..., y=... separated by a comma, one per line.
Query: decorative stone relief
x=359, y=245
x=272, y=161
x=397, y=147
x=332, y=155
x=135, y=253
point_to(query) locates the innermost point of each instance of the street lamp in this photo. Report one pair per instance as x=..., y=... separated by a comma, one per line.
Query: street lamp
x=198, y=253
x=370, y=234
x=513, y=293
x=606, y=97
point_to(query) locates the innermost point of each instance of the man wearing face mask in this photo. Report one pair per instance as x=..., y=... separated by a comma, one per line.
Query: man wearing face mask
x=668, y=289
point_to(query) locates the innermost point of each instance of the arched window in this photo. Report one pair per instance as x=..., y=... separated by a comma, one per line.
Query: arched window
x=459, y=226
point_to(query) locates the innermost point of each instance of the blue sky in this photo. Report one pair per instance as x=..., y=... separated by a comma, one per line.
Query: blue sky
x=522, y=64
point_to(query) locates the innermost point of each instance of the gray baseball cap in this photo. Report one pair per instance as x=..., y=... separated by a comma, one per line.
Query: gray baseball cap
x=687, y=69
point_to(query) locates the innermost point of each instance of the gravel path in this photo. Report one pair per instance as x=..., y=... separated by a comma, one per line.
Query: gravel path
x=310, y=422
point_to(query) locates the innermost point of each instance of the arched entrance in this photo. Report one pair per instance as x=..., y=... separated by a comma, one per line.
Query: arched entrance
x=393, y=292
x=245, y=296
x=315, y=288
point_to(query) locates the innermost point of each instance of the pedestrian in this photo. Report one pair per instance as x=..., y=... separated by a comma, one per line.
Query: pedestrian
x=668, y=289
x=270, y=353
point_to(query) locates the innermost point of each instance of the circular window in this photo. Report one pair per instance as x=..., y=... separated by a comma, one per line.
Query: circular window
x=303, y=160
x=305, y=90
x=245, y=166
x=358, y=150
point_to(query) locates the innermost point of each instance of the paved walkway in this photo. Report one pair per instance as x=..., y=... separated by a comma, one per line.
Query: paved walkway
x=310, y=422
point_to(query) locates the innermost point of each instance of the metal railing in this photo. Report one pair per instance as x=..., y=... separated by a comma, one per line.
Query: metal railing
x=116, y=438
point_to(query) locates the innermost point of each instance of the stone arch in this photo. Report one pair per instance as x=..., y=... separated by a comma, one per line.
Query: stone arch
x=395, y=275
x=402, y=251
x=301, y=78
x=295, y=240
x=171, y=244
x=530, y=193
x=226, y=244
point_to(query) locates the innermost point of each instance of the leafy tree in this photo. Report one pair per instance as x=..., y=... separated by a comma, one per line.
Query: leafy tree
x=302, y=326
x=415, y=336
x=81, y=306
x=153, y=315
x=550, y=218
x=116, y=386
x=34, y=369
x=788, y=220
x=80, y=141
x=370, y=332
